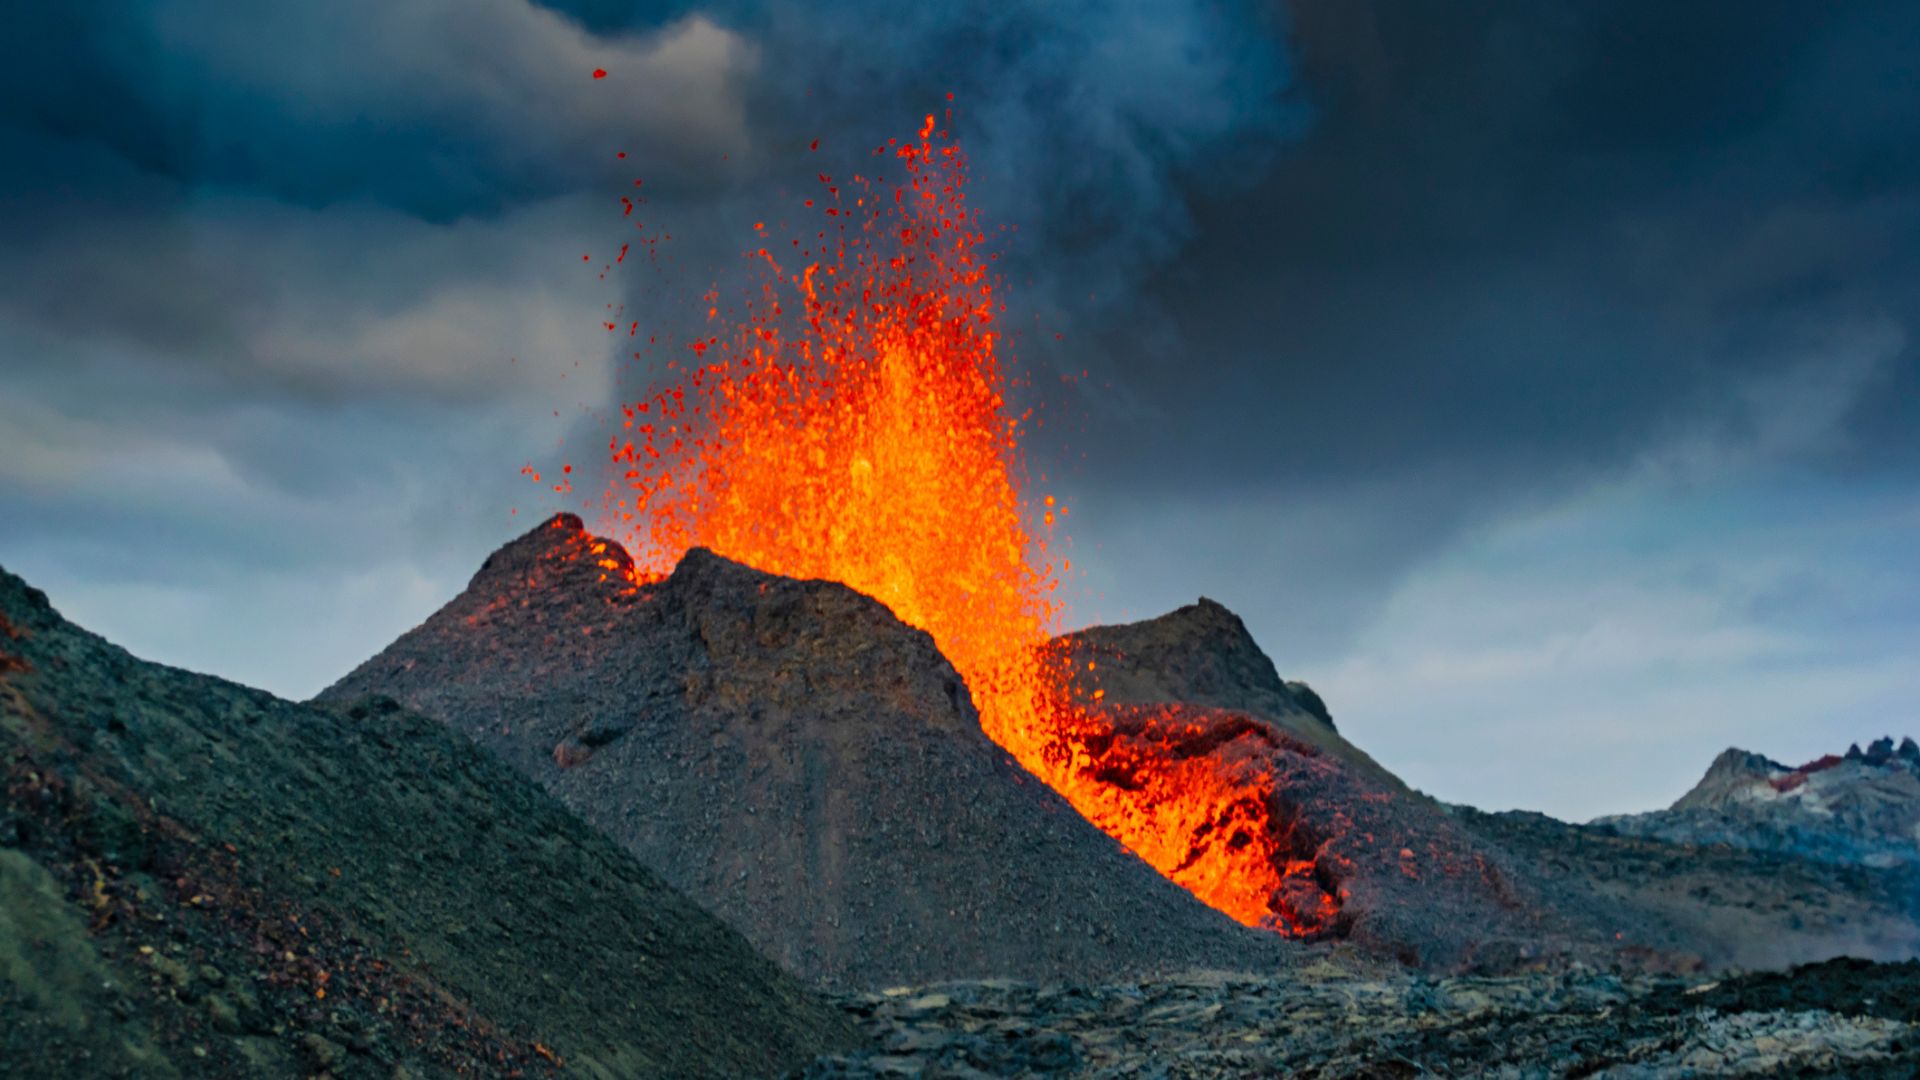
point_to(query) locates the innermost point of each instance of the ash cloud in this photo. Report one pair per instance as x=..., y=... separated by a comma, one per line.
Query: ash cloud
x=288, y=295
x=1594, y=266
x=1087, y=124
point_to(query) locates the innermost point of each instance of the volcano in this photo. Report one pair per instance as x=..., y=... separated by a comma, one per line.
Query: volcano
x=856, y=424
x=809, y=676
x=798, y=760
x=814, y=771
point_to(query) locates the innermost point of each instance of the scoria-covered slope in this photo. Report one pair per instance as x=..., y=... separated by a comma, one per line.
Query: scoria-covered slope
x=798, y=760
x=198, y=879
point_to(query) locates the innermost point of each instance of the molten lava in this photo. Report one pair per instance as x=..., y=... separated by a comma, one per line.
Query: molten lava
x=855, y=426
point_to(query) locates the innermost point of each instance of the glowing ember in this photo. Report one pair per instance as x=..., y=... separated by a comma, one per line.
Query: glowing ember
x=855, y=426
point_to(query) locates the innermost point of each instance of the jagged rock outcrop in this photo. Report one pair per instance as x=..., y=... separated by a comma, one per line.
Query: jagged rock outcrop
x=1734, y=771
x=798, y=760
x=1859, y=808
x=198, y=879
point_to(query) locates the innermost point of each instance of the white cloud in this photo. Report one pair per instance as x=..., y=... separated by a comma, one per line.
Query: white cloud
x=1591, y=655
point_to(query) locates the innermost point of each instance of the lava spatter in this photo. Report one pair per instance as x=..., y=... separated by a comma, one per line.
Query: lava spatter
x=856, y=425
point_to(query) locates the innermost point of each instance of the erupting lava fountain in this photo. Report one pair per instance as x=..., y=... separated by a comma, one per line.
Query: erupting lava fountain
x=855, y=426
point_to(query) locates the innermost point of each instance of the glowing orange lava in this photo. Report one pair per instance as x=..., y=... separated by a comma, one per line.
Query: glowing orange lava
x=855, y=426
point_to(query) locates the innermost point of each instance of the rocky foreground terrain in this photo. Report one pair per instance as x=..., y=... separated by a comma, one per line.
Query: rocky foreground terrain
x=1841, y=1018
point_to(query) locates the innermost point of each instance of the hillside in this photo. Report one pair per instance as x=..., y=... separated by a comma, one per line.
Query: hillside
x=200, y=879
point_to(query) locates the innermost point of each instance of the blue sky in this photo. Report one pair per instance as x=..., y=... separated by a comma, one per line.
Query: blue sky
x=1538, y=383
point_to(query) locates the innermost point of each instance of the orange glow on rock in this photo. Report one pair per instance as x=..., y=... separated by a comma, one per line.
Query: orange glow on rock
x=855, y=425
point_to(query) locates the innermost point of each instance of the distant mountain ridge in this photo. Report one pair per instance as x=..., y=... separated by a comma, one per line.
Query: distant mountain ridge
x=1860, y=808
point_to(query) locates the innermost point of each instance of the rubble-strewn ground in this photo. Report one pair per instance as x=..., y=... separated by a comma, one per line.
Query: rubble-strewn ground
x=1842, y=1018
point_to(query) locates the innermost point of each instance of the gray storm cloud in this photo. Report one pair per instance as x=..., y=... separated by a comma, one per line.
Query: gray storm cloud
x=1368, y=292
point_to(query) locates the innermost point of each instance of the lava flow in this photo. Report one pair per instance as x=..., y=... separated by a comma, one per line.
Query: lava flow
x=856, y=426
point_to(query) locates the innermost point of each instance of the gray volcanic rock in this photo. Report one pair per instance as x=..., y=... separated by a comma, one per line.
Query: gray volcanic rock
x=1202, y=654
x=1447, y=888
x=1734, y=771
x=795, y=758
x=1843, y=1018
x=1724, y=907
x=1863, y=808
x=198, y=879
